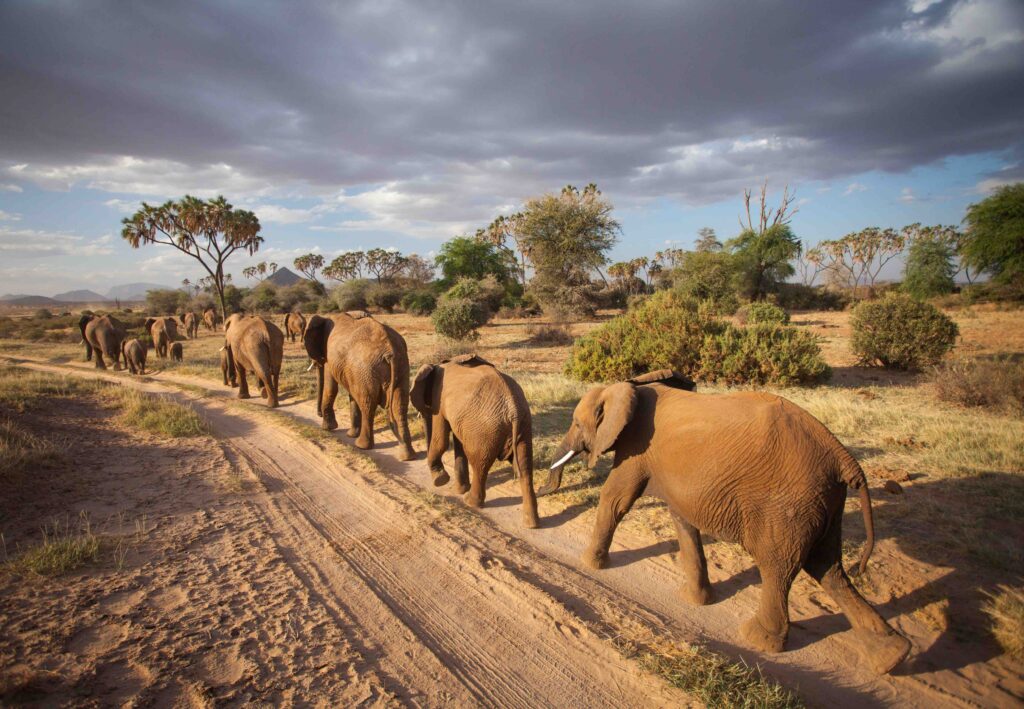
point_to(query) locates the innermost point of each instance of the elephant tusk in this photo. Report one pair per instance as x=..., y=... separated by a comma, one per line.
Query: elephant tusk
x=312, y=363
x=222, y=348
x=563, y=459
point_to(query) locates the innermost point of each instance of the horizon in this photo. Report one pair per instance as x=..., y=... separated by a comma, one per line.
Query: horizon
x=355, y=128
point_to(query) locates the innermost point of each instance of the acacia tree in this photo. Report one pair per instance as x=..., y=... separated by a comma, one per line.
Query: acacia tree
x=207, y=230
x=346, y=266
x=994, y=241
x=385, y=264
x=707, y=240
x=308, y=265
x=809, y=264
x=859, y=257
x=764, y=248
x=260, y=271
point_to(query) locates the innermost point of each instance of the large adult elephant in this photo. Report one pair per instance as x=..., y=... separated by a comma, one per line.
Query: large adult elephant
x=103, y=336
x=371, y=361
x=294, y=326
x=164, y=331
x=210, y=318
x=254, y=344
x=746, y=467
x=488, y=417
x=191, y=323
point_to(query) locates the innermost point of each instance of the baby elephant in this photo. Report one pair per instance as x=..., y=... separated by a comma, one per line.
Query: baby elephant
x=176, y=351
x=134, y=355
x=746, y=467
x=489, y=419
x=226, y=369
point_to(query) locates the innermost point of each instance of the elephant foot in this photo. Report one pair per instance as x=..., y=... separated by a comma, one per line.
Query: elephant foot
x=530, y=520
x=756, y=637
x=593, y=559
x=441, y=479
x=406, y=454
x=695, y=595
x=476, y=501
x=883, y=651
x=244, y=395
x=352, y=432
x=364, y=444
x=461, y=488
x=329, y=423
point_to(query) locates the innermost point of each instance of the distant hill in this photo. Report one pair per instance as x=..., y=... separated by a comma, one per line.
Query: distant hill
x=133, y=291
x=283, y=277
x=38, y=300
x=14, y=296
x=80, y=296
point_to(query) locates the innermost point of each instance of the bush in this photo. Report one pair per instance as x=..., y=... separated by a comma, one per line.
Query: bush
x=294, y=297
x=929, y=270
x=310, y=307
x=564, y=300
x=710, y=276
x=762, y=313
x=551, y=335
x=419, y=302
x=797, y=296
x=666, y=331
x=383, y=296
x=261, y=299
x=486, y=291
x=165, y=301
x=996, y=384
x=351, y=295
x=899, y=332
x=766, y=353
x=43, y=314
x=458, y=318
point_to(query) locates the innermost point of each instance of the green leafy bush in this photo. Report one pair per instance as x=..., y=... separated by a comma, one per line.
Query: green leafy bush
x=709, y=276
x=459, y=318
x=485, y=291
x=759, y=313
x=310, y=307
x=419, y=302
x=929, y=270
x=351, y=295
x=666, y=331
x=383, y=296
x=899, y=332
x=765, y=353
x=797, y=296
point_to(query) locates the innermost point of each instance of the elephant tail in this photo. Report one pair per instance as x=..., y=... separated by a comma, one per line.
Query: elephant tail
x=517, y=463
x=853, y=475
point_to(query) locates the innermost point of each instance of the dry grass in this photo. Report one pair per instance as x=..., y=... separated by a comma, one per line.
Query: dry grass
x=1006, y=609
x=22, y=450
x=20, y=387
x=548, y=334
x=992, y=384
x=64, y=548
x=157, y=415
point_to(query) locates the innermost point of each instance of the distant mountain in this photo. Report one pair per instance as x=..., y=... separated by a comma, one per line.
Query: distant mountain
x=33, y=300
x=14, y=296
x=283, y=277
x=80, y=296
x=133, y=291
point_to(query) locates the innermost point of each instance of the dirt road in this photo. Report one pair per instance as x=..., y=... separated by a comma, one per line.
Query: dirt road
x=446, y=604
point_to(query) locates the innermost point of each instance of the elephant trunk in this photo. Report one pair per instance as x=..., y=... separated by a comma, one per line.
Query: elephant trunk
x=561, y=456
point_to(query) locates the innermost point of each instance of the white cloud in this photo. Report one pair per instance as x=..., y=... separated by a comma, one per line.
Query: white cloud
x=125, y=206
x=33, y=243
x=275, y=214
x=853, y=188
x=907, y=195
x=10, y=187
x=9, y=216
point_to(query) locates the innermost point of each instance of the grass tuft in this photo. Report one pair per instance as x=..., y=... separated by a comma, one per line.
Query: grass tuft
x=158, y=415
x=1006, y=609
x=22, y=450
x=63, y=549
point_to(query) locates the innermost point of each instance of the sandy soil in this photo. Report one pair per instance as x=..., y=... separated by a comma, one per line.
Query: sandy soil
x=445, y=604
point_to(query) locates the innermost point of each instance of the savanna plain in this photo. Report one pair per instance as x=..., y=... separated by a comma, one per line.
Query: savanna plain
x=164, y=543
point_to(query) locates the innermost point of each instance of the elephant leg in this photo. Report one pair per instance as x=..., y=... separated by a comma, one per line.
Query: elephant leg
x=98, y=352
x=622, y=488
x=439, y=430
x=768, y=629
x=883, y=647
x=243, y=382
x=461, y=466
x=330, y=422
x=399, y=412
x=367, y=411
x=478, y=469
x=355, y=419
x=696, y=587
x=523, y=461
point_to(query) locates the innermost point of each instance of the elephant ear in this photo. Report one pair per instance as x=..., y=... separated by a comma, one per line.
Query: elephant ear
x=614, y=410
x=318, y=329
x=468, y=360
x=422, y=395
x=85, y=320
x=149, y=324
x=668, y=377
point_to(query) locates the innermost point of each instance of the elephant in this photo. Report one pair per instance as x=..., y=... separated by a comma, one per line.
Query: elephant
x=748, y=467
x=210, y=319
x=254, y=344
x=176, y=352
x=164, y=331
x=371, y=361
x=191, y=323
x=134, y=352
x=102, y=335
x=489, y=419
x=226, y=369
x=294, y=325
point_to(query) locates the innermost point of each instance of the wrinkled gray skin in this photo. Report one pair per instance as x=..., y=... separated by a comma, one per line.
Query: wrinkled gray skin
x=134, y=352
x=164, y=331
x=746, y=467
x=176, y=352
x=255, y=345
x=103, y=337
x=486, y=413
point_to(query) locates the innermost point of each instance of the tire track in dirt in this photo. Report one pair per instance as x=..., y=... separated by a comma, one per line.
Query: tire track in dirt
x=436, y=608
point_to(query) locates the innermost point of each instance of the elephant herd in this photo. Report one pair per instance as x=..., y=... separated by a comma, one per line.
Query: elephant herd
x=747, y=467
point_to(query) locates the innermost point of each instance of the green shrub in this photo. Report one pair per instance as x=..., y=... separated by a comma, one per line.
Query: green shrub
x=899, y=332
x=310, y=307
x=666, y=331
x=419, y=302
x=351, y=295
x=383, y=296
x=458, y=318
x=766, y=353
x=485, y=291
x=43, y=314
x=797, y=296
x=760, y=313
x=929, y=270
x=710, y=276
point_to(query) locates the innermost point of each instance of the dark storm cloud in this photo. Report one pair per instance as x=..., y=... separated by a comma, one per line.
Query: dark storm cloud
x=478, y=103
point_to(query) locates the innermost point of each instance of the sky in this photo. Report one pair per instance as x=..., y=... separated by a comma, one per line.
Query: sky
x=352, y=125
